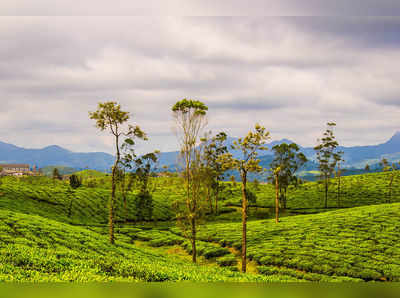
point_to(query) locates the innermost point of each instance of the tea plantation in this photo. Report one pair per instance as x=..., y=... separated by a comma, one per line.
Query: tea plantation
x=360, y=243
x=33, y=248
x=42, y=240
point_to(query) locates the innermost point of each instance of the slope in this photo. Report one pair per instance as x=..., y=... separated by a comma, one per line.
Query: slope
x=360, y=242
x=33, y=248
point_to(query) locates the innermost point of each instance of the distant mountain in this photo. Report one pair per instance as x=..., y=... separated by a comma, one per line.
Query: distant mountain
x=55, y=156
x=355, y=157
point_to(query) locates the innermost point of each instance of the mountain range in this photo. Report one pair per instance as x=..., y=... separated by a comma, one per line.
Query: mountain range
x=355, y=157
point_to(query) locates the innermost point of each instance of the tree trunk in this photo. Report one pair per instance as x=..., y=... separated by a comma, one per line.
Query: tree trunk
x=194, y=251
x=276, y=199
x=244, y=221
x=112, y=198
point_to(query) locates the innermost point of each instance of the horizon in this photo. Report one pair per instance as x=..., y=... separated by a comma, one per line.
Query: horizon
x=269, y=142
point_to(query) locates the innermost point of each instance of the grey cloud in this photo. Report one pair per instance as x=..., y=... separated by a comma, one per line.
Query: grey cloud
x=291, y=74
x=205, y=7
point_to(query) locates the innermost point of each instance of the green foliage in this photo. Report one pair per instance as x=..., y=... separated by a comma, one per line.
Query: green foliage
x=358, y=243
x=327, y=156
x=144, y=206
x=190, y=120
x=287, y=161
x=75, y=181
x=35, y=249
x=39, y=196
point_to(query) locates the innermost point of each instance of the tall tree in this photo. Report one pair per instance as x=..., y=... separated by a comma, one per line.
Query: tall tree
x=213, y=148
x=289, y=159
x=249, y=146
x=339, y=177
x=276, y=175
x=125, y=182
x=109, y=116
x=190, y=117
x=327, y=156
x=142, y=168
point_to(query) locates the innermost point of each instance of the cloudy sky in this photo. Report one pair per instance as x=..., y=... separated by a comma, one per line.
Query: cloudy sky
x=291, y=74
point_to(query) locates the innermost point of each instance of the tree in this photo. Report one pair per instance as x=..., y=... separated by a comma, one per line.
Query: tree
x=289, y=159
x=74, y=183
x=249, y=146
x=276, y=174
x=327, y=156
x=367, y=168
x=125, y=183
x=339, y=176
x=109, y=116
x=142, y=167
x=56, y=175
x=392, y=169
x=190, y=118
x=213, y=148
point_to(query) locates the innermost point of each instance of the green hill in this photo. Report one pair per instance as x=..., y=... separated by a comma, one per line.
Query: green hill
x=48, y=171
x=361, y=243
x=33, y=248
x=41, y=241
x=357, y=190
x=45, y=197
x=90, y=174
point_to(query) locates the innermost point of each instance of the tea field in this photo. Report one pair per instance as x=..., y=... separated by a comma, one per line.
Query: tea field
x=40, y=240
x=45, y=197
x=357, y=190
x=33, y=248
x=361, y=243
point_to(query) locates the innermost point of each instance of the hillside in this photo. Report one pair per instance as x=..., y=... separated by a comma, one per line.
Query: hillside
x=33, y=248
x=356, y=190
x=52, y=199
x=41, y=240
x=48, y=171
x=357, y=243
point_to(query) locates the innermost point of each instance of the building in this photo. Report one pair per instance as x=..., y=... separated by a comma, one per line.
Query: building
x=15, y=169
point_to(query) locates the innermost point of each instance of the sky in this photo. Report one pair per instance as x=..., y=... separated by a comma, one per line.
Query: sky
x=290, y=74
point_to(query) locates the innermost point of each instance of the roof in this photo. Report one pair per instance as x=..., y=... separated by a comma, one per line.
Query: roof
x=14, y=165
